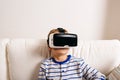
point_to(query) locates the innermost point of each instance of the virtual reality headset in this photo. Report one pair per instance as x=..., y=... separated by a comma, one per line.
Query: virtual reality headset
x=62, y=40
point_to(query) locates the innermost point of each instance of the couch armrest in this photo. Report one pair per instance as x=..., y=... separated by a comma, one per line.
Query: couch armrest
x=3, y=60
x=115, y=74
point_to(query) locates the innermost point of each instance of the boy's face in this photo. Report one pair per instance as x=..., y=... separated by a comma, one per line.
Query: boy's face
x=59, y=51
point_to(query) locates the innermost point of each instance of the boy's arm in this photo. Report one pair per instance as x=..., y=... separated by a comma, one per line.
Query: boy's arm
x=42, y=74
x=90, y=73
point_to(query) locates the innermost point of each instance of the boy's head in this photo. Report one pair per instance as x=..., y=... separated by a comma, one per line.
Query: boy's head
x=57, y=51
x=58, y=30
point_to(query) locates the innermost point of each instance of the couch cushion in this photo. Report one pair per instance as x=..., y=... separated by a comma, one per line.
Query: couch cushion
x=3, y=61
x=103, y=55
x=24, y=56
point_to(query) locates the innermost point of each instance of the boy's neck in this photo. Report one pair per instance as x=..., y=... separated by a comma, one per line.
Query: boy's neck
x=60, y=58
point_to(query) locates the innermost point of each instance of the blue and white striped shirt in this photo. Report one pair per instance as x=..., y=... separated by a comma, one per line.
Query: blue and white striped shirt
x=70, y=69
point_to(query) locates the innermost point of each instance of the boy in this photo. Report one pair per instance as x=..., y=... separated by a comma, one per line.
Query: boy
x=62, y=66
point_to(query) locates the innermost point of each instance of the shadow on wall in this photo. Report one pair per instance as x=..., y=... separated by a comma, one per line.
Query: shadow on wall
x=112, y=23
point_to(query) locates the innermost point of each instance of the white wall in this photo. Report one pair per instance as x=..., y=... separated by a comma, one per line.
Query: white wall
x=34, y=18
x=112, y=21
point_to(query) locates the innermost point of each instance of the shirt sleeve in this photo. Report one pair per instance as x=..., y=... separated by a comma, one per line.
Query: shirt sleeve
x=90, y=73
x=42, y=73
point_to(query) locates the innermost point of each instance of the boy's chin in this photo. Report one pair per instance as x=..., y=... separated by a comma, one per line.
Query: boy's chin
x=61, y=54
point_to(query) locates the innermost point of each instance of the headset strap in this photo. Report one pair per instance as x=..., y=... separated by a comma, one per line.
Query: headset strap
x=61, y=30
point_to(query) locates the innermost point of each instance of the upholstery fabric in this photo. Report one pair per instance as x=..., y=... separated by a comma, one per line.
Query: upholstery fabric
x=3, y=60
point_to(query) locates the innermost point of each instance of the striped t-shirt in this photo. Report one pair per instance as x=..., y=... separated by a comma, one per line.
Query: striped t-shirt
x=70, y=69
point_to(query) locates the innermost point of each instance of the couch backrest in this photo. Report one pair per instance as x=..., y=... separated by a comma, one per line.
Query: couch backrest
x=24, y=56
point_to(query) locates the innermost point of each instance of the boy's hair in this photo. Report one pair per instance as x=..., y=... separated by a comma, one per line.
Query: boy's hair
x=55, y=31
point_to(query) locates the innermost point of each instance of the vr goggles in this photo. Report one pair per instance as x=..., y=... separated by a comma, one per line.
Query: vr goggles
x=62, y=40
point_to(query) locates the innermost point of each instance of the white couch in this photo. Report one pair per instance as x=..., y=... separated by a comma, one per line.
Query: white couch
x=20, y=58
